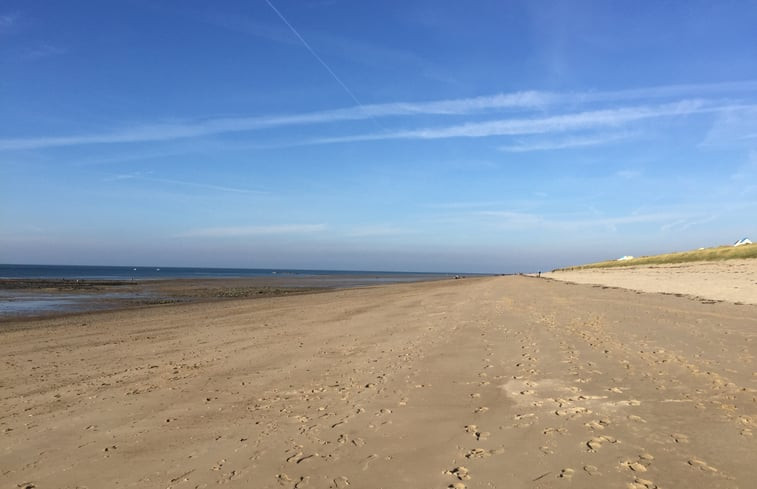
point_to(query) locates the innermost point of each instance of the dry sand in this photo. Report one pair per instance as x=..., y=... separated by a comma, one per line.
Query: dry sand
x=504, y=382
x=729, y=280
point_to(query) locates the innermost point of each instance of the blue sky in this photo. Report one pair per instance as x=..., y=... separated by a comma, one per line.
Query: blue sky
x=415, y=135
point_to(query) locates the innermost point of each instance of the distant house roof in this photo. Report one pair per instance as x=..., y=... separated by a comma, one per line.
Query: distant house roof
x=742, y=241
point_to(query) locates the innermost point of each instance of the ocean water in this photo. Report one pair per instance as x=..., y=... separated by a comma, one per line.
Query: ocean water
x=157, y=273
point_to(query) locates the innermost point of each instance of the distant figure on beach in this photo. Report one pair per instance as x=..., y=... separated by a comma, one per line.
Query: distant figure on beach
x=539, y=274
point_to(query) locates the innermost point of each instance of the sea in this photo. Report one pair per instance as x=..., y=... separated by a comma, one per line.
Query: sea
x=30, y=301
x=87, y=272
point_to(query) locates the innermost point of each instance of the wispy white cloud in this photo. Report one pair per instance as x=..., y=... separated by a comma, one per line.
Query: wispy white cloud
x=187, y=129
x=613, y=117
x=581, y=222
x=378, y=230
x=541, y=125
x=237, y=231
x=512, y=218
x=745, y=176
x=665, y=91
x=43, y=50
x=612, y=222
x=219, y=188
x=735, y=126
x=628, y=174
x=462, y=205
x=686, y=223
x=8, y=21
x=565, y=143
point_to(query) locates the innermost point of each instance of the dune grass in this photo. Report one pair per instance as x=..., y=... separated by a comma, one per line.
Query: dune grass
x=708, y=254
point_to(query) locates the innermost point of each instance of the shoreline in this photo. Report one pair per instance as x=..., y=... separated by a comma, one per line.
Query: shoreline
x=22, y=299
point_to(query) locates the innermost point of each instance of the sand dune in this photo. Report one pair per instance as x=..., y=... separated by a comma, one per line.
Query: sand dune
x=506, y=382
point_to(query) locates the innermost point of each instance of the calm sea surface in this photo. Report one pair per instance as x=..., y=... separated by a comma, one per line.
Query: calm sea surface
x=156, y=273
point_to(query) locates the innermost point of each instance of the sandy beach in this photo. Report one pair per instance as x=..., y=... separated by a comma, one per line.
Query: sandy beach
x=500, y=382
x=729, y=280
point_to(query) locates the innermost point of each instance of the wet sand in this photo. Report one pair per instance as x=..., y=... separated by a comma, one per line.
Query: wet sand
x=34, y=298
x=502, y=382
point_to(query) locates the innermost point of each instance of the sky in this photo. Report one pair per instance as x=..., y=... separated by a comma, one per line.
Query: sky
x=487, y=136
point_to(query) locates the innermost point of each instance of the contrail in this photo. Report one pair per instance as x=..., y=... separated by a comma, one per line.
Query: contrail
x=312, y=51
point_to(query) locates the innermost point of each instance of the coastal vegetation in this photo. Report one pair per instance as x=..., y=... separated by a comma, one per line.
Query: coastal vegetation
x=718, y=253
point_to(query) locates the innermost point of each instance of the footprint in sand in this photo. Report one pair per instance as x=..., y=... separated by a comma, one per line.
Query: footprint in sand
x=340, y=482
x=566, y=473
x=457, y=485
x=597, y=424
x=634, y=466
x=292, y=458
x=630, y=402
x=592, y=470
x=462, y=473
x=596, y=443
x=304, y=480
x=477, y=453
x=642, y=484
x=480, y=435
x=481, y=410
x=368, y=460
x=307, y=457
x=521, y=417
x=679, y=438
x=639, y=465
x=229, y=476
x=573, y=412
x=482, y=453
x=701, y=465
